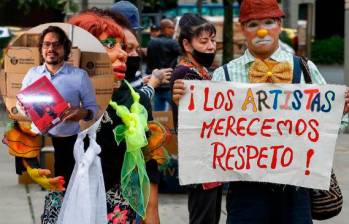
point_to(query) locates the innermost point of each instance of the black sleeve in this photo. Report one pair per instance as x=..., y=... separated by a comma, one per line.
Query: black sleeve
x=179, y=73
x=153, y=171
x=32, y=162
x=176, y=48
x=151, y=166
x=145, y=101
x=150, y=57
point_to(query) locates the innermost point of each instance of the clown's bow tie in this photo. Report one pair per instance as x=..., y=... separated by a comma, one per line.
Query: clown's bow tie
x=270, y=71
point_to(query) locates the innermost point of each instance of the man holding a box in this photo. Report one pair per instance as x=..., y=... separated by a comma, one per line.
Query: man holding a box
x=74, y=85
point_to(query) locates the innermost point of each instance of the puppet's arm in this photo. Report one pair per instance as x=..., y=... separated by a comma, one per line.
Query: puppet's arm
x=40, y=176
x=25, y=146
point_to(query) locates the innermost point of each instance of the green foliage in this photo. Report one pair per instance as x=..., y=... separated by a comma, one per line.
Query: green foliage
x=156, y=5
x=284, y=37
x=60, y=5
x=328, y=51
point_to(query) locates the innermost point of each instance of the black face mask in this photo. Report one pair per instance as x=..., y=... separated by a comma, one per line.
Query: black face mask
x=205, y=59
x=132, y=64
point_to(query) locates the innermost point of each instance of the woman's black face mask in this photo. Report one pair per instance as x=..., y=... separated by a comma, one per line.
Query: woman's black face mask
x=133, y=65
x=204, y=59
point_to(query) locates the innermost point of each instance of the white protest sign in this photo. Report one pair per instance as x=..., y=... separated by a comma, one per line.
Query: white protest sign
x=277, y=133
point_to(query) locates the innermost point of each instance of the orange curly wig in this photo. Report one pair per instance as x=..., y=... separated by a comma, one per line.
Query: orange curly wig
x=97, y=21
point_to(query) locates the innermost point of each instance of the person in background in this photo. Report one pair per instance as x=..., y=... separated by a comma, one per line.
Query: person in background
x=198, y=44
x=154, y=31
x=126, y=15
x=163, y=52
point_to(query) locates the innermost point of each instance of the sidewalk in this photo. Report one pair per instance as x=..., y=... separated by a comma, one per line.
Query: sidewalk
x=21, y=204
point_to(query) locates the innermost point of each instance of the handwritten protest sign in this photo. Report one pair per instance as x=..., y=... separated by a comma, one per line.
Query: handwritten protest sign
x=278, y=133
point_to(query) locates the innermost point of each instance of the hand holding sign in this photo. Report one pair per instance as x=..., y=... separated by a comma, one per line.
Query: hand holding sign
x=178, y=91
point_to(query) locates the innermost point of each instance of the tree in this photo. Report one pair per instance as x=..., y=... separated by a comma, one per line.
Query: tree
x=62, y=5
x=199, y=6
x=228, y=52
x=156, y=5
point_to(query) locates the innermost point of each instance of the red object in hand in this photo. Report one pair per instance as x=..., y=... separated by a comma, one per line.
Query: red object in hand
x=207, y=186
x=43, y=103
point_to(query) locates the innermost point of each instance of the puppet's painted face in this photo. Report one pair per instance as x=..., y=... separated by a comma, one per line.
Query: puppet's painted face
x=118, y=57
x=262, y=36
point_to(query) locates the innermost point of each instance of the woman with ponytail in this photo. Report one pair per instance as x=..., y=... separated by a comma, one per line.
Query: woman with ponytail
x=197, y=40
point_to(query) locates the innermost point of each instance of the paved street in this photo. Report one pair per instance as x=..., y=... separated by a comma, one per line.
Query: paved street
x=21, y=204
x=334, y=74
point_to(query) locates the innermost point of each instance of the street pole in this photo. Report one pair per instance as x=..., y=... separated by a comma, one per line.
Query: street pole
x=310, y=24
x=199, y=6
x=346, y=44
x=84, y=5
x=228, y=50
x=286, y=8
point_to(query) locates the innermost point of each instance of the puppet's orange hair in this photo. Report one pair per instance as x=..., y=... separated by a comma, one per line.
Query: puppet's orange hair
x=96, y=23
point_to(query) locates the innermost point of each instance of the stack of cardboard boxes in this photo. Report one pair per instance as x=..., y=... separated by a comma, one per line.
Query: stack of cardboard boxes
x=18, y=59
x=24, y=54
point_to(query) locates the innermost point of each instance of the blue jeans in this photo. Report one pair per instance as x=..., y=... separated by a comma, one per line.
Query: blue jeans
x=162, y=100
x=264, y=203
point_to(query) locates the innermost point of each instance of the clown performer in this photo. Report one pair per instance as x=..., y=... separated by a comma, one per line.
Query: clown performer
x=254, y=202
x=131, y=183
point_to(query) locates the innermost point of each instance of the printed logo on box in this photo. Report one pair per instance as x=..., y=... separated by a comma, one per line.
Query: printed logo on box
x=14, y=110
x=14, y=61
x=90, y=65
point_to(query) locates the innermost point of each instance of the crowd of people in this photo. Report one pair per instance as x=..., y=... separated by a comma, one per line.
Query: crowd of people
x=131, y=177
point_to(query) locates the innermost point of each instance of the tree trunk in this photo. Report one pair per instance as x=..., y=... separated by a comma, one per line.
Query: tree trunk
x=199, y=6
x=228, y=53
x=84, y=5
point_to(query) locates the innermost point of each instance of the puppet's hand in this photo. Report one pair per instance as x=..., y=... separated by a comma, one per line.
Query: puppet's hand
x=40, y=177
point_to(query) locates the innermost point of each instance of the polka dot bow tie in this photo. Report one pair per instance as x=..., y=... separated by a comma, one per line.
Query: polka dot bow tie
x=270, y=71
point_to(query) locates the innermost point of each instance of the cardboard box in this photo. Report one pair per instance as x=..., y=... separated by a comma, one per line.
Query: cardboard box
x=13, y=83
x=103, y=86
x=13, y=111
x=2, y=83
x=165, y=118
x=21, y=59
x=28, y=40
x=74, y=58
x=169, y=182
x=96, y=64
